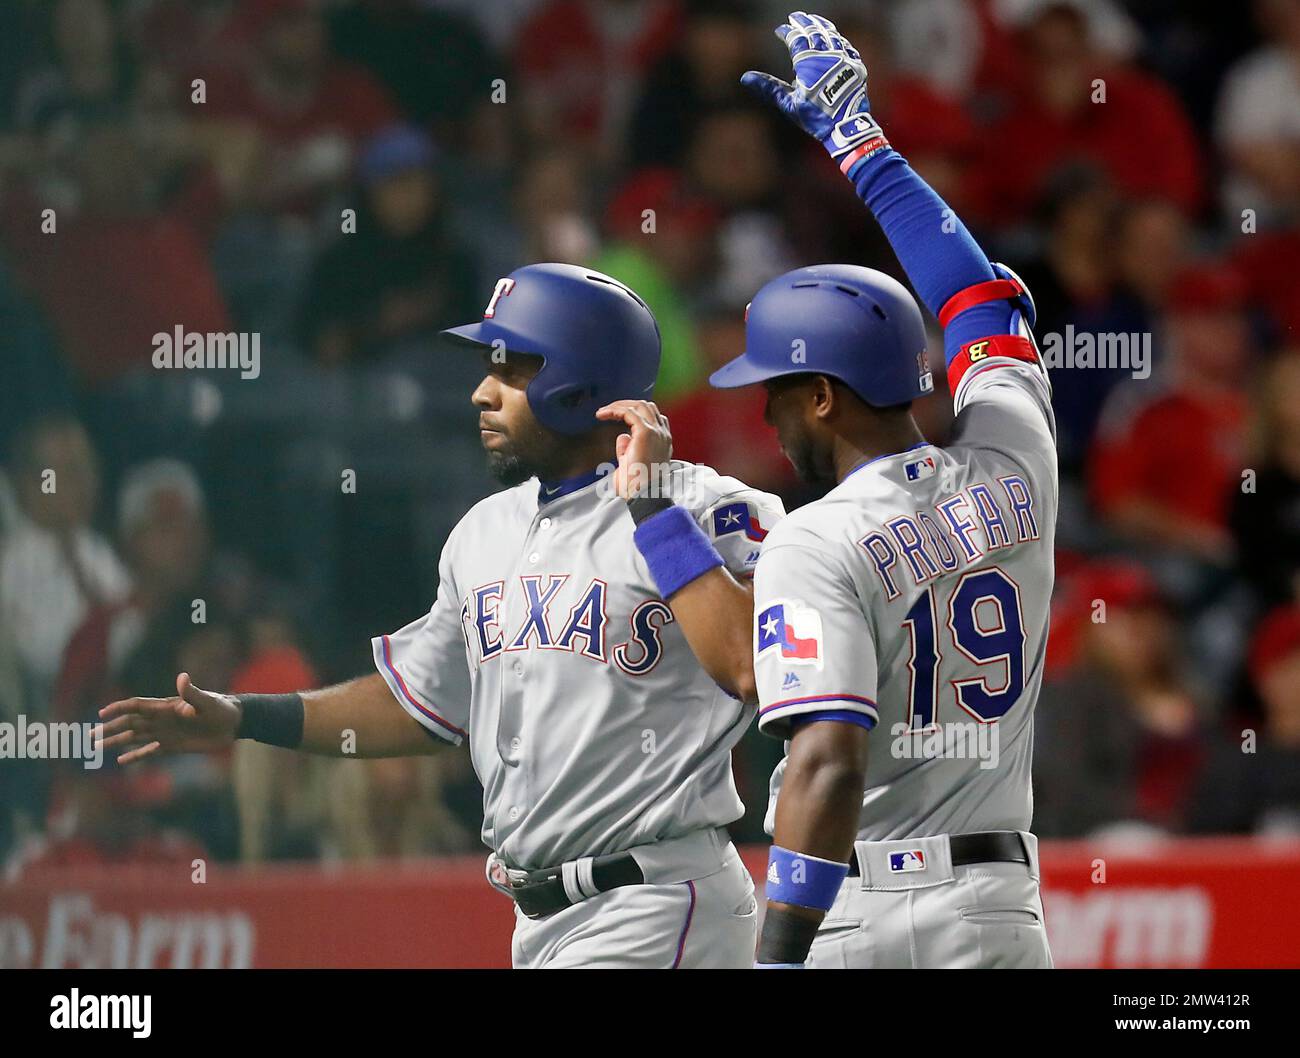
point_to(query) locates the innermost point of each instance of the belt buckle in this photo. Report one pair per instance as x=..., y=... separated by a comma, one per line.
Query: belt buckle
x=536, y=894
x=514, y=881
x=507, y=879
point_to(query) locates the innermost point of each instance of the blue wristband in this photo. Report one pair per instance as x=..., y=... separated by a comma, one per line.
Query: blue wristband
x=675, y=549
x=805, y=881
x=778, y=966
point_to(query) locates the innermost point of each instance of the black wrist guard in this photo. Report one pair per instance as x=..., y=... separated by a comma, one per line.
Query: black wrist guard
x=643, y=507
x=275, y=719
x=786, y=936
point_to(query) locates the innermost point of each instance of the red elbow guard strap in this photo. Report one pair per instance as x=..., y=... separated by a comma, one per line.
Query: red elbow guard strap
x=991, y=290
x=1008, y=346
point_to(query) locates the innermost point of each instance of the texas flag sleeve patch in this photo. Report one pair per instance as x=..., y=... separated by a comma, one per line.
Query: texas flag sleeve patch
x=793, y=631
x=737, y=518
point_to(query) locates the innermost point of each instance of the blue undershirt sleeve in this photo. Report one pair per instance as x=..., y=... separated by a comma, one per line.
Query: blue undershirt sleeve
x=935, y=248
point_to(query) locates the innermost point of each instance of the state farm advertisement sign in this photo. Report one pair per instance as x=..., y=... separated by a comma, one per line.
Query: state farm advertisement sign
x=1220, y=903
x=426, y=913
x=78, y=933
x=1224, y=902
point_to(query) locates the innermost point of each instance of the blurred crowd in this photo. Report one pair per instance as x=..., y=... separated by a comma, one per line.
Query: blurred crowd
x=343, y=179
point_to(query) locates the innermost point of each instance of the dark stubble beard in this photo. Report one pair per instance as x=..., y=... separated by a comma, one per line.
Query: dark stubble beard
x=511, y=466
x=803, y=458
x=508, y=468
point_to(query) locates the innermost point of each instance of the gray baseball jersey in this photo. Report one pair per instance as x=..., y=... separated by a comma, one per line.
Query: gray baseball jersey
x=915, y=594
x=591, y=724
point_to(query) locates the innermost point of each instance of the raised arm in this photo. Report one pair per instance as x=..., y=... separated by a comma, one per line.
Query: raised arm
x=972, y=298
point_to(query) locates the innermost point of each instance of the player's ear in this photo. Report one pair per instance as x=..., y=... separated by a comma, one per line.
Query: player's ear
x=824, y=396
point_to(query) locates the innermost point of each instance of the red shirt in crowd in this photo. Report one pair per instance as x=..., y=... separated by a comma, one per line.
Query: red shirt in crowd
x=1270, y=264
x=107, y=285
x=724, y=429
x=566, y=54
x=281, y=669
x=924, y=121
x=1139, y=136
x=348, y=101
x=1181, y=451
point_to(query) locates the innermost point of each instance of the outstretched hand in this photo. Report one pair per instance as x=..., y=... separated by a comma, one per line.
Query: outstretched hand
x=196, y=721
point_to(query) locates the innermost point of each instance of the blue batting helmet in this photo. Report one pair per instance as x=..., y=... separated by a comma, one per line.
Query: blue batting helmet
x=598, y=340
x=852, y=323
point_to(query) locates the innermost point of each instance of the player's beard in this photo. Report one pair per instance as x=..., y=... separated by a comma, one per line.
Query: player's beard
x=509, y=468
x=527, y=452
x=804, y=457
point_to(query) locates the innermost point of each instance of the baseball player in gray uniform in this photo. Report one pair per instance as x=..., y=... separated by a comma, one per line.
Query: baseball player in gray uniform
x=901, y=621
x=590, y=641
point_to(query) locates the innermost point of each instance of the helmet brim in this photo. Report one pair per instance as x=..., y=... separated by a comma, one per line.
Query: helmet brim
x=743, y=371
x=487, y=335
x=469, y=334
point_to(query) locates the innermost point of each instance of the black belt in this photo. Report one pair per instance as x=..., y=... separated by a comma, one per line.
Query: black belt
x=990, y=846
x=541, y=893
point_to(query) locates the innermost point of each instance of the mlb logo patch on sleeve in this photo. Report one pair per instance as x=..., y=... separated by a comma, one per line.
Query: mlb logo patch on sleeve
x=919, y=469
x=906, y=862
x=794, y=631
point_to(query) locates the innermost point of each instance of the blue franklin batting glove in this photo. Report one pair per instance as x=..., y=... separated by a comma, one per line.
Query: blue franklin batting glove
x=828, y=98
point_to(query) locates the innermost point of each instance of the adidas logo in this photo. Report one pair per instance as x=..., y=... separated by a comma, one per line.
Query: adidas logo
x=772, y=875
x=791, y=680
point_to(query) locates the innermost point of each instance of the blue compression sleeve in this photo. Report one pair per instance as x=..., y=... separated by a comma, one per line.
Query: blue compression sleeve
x=935, y=248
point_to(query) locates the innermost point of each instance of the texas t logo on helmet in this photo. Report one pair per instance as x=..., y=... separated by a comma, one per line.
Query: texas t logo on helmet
x=503, y=287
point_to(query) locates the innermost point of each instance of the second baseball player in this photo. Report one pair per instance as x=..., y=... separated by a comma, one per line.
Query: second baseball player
x=914, y=596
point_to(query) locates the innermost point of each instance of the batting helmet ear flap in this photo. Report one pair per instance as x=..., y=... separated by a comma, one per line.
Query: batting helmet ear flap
x=568, y=398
